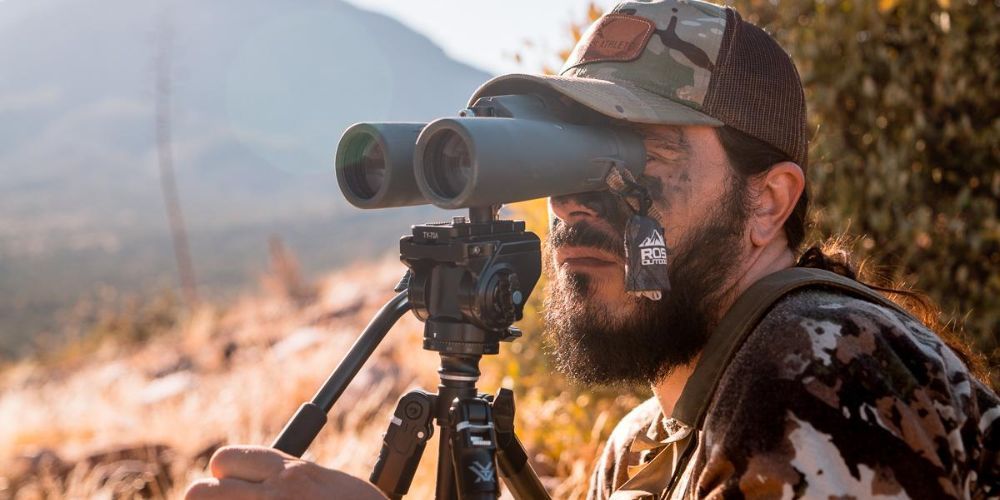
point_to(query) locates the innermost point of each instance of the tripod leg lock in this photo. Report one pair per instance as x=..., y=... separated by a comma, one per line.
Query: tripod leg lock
x=512, y=458
x=403, y=443
x=473, y=445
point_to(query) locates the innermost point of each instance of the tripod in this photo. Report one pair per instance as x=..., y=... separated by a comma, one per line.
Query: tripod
x=467, y=281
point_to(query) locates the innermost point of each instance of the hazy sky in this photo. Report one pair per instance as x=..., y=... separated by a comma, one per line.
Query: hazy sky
x=485, y=33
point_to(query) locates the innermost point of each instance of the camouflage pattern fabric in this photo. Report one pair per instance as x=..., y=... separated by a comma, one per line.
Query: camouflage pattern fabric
x=675, y=60
x=644, y=62
x=830, y=397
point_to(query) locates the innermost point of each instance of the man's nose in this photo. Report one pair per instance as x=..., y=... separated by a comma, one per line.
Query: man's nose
x=575, y=208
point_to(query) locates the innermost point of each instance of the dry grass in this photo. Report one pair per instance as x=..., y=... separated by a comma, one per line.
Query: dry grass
x=140, y=421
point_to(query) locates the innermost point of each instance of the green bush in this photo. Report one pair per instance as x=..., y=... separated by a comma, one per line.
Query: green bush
x=903, y=102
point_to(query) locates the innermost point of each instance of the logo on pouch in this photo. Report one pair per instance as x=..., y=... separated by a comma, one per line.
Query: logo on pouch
x=652, y=250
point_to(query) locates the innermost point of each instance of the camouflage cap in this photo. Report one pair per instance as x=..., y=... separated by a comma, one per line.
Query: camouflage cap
x=680, y=62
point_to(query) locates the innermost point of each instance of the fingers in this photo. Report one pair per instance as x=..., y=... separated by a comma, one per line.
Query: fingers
x=213, y=489
x=248, y=463
x=260, y=473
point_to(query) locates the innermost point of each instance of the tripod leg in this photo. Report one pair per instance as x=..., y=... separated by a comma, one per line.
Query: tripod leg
x=403, y=443
x=512, y=459
x=473, y=447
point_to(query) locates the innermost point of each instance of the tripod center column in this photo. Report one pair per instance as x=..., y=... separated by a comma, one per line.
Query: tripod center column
x=459, y=374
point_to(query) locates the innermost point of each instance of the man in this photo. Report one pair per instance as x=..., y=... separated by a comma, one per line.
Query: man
x=830, y=391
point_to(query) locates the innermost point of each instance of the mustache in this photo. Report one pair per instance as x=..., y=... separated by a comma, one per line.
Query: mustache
x=584, y=234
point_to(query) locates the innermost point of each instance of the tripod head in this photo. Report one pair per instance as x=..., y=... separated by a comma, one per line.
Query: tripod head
x=469, y=280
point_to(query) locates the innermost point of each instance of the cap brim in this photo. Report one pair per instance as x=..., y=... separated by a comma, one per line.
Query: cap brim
x=614, y=99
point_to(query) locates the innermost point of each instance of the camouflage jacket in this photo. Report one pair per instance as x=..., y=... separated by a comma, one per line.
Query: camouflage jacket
x=829, y=396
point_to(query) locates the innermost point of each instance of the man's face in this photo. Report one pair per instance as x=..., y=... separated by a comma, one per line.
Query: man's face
x=598, y=332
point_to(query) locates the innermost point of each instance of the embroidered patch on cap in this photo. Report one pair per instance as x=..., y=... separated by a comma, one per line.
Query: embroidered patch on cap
x=616, y=37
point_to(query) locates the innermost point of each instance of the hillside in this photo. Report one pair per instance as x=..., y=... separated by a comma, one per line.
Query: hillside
x=120, y=418
x=260, y=92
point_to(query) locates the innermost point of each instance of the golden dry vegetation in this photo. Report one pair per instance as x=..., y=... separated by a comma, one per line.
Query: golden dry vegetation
x=120, y=419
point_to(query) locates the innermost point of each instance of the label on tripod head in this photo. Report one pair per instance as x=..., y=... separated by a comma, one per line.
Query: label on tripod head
x=645, y=258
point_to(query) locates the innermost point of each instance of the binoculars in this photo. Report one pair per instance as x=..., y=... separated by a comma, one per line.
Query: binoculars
x=503, y=149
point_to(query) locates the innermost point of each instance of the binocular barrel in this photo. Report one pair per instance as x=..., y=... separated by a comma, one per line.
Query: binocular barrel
x=514, y=149
x=472, y=162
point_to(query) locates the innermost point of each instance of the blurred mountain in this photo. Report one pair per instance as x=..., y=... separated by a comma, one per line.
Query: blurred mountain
x=261, y=91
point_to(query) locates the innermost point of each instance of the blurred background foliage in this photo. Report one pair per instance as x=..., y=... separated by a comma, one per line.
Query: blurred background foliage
x=903, y=106
x=905, y=115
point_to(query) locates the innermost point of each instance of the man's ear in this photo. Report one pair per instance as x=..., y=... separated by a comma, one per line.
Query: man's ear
x=777, y=191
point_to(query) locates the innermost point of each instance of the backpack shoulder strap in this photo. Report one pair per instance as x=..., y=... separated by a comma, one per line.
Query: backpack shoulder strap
x=742, y=318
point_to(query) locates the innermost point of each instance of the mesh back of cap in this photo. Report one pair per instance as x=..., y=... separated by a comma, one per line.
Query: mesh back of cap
x=757, y=90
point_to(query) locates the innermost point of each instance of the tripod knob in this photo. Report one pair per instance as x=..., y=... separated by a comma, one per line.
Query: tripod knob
x=505, y=301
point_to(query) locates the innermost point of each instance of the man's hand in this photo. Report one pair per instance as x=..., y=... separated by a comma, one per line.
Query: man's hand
x=258, y=472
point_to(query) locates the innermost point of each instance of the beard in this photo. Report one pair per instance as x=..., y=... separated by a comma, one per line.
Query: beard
x=639, y=340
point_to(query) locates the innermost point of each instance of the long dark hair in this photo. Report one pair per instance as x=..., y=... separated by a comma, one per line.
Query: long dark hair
x=750, y=157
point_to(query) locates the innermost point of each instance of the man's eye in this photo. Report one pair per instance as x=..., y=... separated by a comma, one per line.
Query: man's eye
x=655, y=159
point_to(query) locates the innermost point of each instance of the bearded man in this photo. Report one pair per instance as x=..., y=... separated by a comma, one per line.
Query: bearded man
x=768, y=380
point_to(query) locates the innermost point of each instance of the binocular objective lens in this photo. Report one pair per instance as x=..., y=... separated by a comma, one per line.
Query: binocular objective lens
x=448, y=163
x=365, y=166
